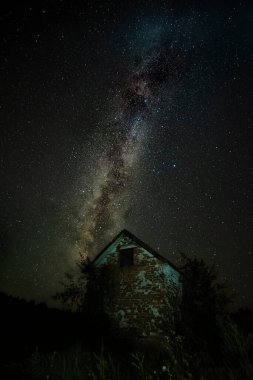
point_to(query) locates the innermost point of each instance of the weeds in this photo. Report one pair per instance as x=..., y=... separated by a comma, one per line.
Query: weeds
x=78, y=363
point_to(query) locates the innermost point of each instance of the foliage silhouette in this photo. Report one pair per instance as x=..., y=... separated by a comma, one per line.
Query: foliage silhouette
x=202, y=339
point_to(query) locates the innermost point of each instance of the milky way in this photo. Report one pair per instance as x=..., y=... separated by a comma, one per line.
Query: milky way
x=105, y=210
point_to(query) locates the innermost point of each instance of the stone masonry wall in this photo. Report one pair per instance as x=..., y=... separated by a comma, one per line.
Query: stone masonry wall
x=137, y=298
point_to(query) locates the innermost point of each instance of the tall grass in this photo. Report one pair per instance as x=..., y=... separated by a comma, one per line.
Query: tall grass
x=78, y=363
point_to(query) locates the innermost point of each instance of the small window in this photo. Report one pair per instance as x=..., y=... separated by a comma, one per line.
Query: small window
x=126, y=257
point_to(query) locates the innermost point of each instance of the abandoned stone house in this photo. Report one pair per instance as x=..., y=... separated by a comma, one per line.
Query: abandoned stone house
x=145, y=287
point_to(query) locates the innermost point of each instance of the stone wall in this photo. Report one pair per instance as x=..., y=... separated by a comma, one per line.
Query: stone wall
x=139, y=298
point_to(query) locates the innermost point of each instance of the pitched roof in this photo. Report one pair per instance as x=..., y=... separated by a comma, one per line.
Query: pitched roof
x=139, y=242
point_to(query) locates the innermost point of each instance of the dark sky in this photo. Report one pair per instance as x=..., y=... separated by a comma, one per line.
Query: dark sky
x=134, y=115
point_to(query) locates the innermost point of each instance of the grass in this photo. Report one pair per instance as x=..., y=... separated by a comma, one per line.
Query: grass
x=79, y=363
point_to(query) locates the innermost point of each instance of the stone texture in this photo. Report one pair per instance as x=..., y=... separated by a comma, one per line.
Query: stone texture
x=139, y=299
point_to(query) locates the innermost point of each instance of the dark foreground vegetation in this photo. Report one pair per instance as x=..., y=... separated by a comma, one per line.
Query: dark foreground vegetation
x=206, y=342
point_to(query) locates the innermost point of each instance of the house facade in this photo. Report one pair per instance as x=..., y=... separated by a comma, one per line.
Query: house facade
x=142, y=288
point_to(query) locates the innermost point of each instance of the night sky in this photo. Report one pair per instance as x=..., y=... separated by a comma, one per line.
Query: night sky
x=131, y=115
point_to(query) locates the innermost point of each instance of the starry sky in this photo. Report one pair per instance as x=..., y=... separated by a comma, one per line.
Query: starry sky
x=125, y=114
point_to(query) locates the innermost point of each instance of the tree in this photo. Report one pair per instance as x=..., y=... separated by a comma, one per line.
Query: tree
x=207, y=326
x=85, y=295
x=205, y=299
x=74, y=287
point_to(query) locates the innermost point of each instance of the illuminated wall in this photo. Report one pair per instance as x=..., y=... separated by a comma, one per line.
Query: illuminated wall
x=142, y=288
